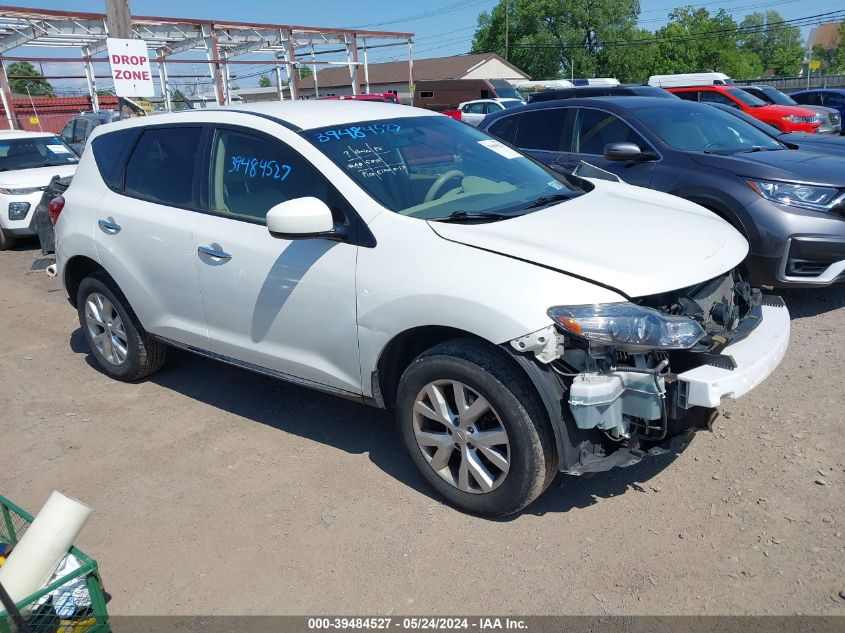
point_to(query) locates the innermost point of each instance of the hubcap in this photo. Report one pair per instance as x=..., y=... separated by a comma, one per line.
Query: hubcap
x=461, y=436
x=106, y=328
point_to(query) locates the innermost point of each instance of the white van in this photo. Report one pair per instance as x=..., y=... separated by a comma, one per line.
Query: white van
x=597, y=81
x=690, y=79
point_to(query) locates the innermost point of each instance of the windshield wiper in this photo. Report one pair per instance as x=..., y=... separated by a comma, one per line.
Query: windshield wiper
x=463, y=216
x=758, y=148
x=543, y=201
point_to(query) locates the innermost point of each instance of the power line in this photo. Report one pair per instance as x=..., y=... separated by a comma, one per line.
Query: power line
x=772, y=26
x=449, y=8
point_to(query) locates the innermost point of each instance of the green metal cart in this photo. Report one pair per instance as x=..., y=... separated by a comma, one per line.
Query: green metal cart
x=38, y=609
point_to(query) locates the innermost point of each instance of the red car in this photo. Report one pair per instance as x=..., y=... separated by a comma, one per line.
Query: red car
x=784, y=118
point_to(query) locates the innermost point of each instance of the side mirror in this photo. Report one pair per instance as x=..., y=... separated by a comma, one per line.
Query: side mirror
x=300, y=218
x=626, y=151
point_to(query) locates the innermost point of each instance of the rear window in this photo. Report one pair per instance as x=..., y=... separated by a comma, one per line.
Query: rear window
x=110, y=152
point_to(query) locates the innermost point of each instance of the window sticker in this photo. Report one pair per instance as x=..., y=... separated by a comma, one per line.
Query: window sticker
x=500, y=149
x=554, y=184
x=58, y=149
x=373, y=161
x=253, y=167
x=357, y=131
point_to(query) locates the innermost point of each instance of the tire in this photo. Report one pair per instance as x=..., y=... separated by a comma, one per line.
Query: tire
x=483, y=370
x=142, y=355
x=7, y=240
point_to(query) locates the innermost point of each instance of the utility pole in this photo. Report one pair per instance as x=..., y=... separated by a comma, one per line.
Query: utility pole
x=507, y=27
x=118, y=19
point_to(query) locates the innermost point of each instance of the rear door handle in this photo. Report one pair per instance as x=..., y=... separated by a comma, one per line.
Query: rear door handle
x=109, y=226
x=214, y=253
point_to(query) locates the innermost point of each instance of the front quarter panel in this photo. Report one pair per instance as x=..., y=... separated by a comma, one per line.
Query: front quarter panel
x=414, y=278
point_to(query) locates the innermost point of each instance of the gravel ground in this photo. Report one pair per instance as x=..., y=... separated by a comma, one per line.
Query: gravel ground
x=218, y=491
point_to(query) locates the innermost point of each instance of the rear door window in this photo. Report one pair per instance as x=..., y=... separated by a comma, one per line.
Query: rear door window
x=707, y=96
x=80, y=131
x=594, y=129
x=544, y=130
x=164, y=165
x=813, y=98
x=687, y=95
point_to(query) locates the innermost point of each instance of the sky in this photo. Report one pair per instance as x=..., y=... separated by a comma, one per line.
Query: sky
x=440, y=27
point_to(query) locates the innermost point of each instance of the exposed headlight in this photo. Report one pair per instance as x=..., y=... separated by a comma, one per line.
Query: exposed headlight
x=802, y=119
x=808, y=196
x=626, y=325
x=23, y=191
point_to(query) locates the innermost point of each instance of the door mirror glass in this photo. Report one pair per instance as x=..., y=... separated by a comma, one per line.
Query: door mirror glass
x=624, y=151
x=299, y=218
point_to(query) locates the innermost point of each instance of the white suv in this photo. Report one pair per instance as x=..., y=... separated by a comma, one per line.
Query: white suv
x=28, y=160
x=520, y=321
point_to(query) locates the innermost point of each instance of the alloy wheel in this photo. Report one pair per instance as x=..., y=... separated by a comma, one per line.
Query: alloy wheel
x=461, y=436
x=106, y=328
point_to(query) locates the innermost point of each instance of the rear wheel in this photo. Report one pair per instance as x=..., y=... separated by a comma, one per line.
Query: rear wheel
x=7, y=240
x=117, y=340
x=475, y=428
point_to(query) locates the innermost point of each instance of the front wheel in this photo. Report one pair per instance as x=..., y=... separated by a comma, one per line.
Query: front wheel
x=7, y=240
x=475, y=428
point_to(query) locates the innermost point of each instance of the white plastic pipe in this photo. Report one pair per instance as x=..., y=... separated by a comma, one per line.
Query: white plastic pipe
x=42, y=547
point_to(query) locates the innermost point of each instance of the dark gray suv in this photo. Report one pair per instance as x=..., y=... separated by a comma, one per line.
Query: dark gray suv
x=789, y=203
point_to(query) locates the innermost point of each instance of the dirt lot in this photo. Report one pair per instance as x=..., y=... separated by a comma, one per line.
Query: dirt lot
x=218, y=491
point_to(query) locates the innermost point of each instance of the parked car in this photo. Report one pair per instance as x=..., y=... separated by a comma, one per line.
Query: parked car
x=520, y=321
x=633, y=90
x=473, y=112
x=28, y=160
x=446, y=94
x=690, y=79
x=827, y=97
x=789, y=204
x=819, y=143
x=831, y=120
x=785, y=118
x=76, y=131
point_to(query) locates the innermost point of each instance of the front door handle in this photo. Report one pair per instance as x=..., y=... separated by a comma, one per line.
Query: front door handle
x=109, y=226
x=214, y=253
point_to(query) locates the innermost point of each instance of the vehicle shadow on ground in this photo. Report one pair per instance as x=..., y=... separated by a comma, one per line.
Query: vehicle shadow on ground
x=351, y=427
x=809, y=302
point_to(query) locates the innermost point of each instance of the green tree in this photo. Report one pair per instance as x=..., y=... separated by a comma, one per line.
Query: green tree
x=546, y=36
x=34, y=84
x=777, y=45
x=694, y=41
x=264, y=82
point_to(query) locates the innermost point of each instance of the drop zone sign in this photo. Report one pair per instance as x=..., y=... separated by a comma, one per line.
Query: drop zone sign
x=130, y=68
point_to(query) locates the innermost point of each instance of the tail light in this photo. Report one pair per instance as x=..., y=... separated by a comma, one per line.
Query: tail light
x=455, y=114
x=56, y=206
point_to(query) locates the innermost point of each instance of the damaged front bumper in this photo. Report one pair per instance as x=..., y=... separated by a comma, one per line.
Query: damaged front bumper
x=615, y=417
x=755, y=358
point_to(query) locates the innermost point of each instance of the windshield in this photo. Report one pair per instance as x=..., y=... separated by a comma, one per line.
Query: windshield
x=746, y=97
x=504, y=90
x=434, y=167
x=777, y=97
x=692, y=127
x=36, y=151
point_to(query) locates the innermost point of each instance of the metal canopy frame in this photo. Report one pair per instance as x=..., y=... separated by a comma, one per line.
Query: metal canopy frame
x=221, y=41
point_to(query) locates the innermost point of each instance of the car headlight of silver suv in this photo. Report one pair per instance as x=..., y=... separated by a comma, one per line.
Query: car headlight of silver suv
x=810, y=197
x=627, y=326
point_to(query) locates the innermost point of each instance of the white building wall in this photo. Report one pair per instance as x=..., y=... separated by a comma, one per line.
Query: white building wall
x=494, y=69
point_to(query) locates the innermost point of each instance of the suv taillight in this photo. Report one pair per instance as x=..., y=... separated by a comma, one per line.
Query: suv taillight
x=56, y=206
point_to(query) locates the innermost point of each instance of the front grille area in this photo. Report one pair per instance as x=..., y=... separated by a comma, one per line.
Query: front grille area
x=834, y=119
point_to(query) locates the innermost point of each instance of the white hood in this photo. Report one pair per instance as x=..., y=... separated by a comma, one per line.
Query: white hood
x=632, y=239
x=35, y=176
